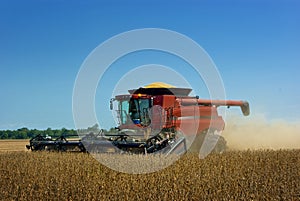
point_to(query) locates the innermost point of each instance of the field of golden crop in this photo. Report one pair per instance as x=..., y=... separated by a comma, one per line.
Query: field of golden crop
x=13, y=145
x=242, y=175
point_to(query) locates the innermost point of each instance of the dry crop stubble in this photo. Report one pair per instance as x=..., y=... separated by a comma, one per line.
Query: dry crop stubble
x=13, y=145
x=257, y=175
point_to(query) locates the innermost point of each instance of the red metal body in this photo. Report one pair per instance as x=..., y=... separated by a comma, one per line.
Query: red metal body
x=168, y=111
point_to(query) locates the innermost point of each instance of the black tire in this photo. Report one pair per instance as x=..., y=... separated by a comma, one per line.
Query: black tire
x=208, y=143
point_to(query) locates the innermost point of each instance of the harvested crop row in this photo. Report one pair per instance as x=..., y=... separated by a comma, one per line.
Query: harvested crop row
x=257, y=175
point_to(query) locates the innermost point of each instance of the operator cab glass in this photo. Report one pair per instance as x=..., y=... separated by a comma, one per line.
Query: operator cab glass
x=135, y=110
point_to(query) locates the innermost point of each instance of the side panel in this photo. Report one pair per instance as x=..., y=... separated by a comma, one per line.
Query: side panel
x=194, y=126
x=162, y=110
x=194, y=119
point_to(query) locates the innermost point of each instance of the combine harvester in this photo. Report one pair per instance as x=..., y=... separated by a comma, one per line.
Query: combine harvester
x=157, y=118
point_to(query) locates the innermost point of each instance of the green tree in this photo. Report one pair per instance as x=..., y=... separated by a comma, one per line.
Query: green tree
x=49, y=132
x=94, y=128
x=3, y=135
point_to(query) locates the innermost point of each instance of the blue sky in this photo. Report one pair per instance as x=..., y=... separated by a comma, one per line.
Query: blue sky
x=254, y=44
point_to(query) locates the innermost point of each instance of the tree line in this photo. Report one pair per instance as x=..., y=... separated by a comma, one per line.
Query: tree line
x=25, y=133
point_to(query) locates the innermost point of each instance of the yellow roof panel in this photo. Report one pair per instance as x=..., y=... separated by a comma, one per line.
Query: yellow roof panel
x=158, y=85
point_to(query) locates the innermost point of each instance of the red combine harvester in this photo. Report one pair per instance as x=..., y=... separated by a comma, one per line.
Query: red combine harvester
x=158, y=118
x=162, y=117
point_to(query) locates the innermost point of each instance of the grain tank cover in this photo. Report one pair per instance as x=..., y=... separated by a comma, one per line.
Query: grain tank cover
x=158, y=85
x=160, y=88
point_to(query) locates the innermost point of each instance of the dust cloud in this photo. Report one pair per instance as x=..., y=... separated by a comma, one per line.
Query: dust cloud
x=257, y=133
